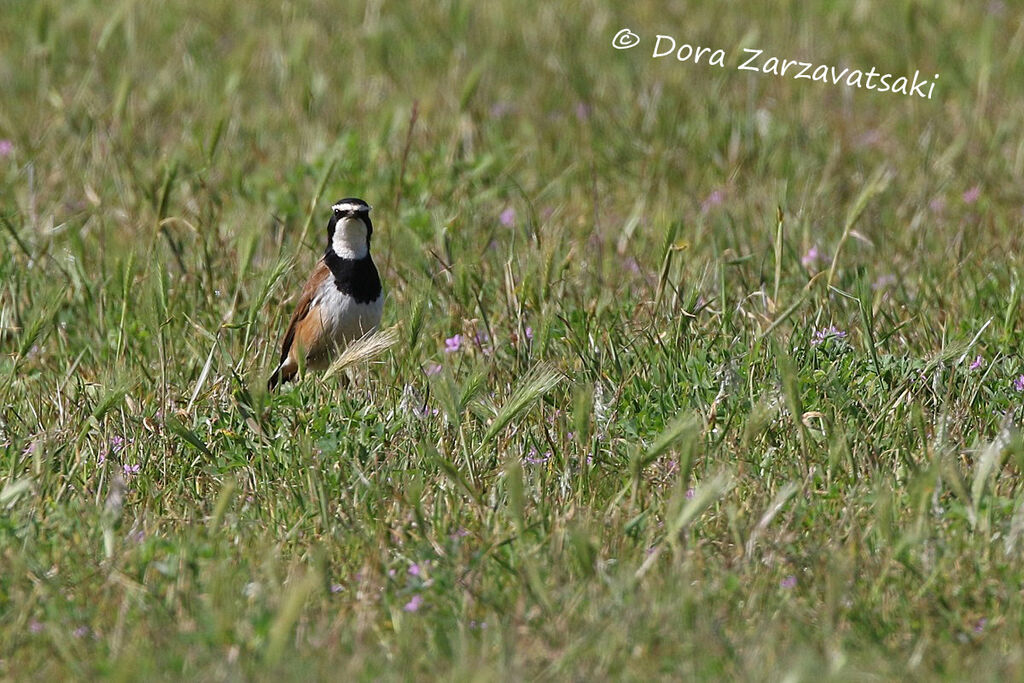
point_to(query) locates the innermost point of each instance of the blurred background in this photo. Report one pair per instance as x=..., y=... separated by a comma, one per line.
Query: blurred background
x=777, y=325
x=445, y=114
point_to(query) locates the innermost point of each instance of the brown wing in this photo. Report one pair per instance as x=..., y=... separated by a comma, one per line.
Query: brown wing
x=302, y=309
x=303, y=326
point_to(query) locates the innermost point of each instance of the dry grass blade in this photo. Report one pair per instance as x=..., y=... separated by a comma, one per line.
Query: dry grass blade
x=364, y=350
x=990, y=460
x=534, y=384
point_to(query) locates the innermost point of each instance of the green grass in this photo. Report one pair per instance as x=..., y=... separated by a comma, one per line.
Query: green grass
x=643, y=467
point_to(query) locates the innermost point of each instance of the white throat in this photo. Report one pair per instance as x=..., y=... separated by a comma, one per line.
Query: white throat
x=350, y=239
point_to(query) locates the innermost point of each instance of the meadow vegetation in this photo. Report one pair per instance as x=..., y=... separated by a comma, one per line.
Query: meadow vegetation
x=696, y=372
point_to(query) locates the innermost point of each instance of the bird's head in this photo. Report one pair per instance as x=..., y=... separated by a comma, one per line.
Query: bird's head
x=349, y=230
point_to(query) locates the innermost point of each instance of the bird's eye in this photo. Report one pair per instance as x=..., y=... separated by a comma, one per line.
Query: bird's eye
x=337, y=213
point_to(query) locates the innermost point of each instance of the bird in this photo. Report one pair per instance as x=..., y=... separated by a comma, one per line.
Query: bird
x=342, y=300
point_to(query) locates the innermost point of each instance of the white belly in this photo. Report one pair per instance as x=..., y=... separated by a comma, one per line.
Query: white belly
x=344, y=319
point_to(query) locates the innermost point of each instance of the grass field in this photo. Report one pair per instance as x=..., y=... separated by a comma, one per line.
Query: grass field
x=697, y=372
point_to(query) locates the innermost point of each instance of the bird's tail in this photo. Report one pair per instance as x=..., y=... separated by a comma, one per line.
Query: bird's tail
x=280, y=376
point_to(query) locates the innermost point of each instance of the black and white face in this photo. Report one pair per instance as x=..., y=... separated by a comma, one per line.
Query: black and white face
x=350, y=228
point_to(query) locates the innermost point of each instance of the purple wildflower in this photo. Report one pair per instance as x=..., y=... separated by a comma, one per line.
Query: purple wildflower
x=415, y=570
x=35, y=627
x=788, y=582
x=533, y=458
x=826, y=333
x=499, y=109
x=582, y=111
x=508, y=217
x=337, y=588
x=812, y=257
x=131, y=470
x=980, y=625
x=1018, y=383
x=971, y=195
x=883, y=282
x=712, y=200
x=433, y=369
x=690, y=493
x=81, y=632
x=427, y=411
x=481, y=338
x=978, y=362
x=529, y=333
x=453, y=344
x=414, y=604
x=937, y=204
x=6, y=148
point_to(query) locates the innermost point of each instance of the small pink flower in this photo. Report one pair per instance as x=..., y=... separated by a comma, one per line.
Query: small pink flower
x=533, y=458
x=529, y=333
x=937, y=204
x=712, y=200
x=1018, y=383
x=978, y=362
x=414, y=604
x=826, y=333
x=426, y=411
x=131, y=470
x=453, y=344
x=971, y=195
x=6, y=148
x=788, y=582
x=433, y=369
x=499, y=109
x=35, y=627
x=508, y=217
x=883, y=282
x=482, y=338
x=812, y=257
x=980, y=625
x=415, y=570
